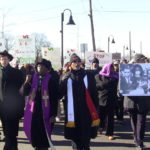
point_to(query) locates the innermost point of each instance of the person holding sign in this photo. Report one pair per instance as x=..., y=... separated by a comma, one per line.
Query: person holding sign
x=138, y=106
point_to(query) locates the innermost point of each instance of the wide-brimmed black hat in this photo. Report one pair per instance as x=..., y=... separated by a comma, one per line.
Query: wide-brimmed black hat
x=74, y=58
x=45, y=63
x=5, y=53
x=95, y=60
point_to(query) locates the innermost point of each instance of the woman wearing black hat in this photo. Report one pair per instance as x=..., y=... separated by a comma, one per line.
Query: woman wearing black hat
x=11, y=102
x=79, y=91
x=41, y=106
x=137, y=107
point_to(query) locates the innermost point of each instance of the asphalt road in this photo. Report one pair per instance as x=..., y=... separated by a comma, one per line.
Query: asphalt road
x=123, y=138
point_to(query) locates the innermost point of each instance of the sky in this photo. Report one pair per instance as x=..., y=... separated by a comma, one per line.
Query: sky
x=112, y=18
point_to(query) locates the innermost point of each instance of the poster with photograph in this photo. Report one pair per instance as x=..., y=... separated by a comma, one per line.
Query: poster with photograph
x=134, y=79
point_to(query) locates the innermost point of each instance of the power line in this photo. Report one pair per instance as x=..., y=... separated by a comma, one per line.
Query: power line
x=45, y=19
x=49, y=18
x=122, y=11
x=45, y=9
x=42, y=19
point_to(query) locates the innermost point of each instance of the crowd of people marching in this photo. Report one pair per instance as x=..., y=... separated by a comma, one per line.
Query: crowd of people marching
x=90, y=98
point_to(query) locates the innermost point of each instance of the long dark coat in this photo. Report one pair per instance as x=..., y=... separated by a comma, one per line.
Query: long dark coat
x=141, y=103
x=12, y=105
x=82, y=131
x=38, y=132
x=107, y=90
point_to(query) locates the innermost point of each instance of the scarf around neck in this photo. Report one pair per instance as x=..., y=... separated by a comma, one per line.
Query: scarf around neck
x=89, y=102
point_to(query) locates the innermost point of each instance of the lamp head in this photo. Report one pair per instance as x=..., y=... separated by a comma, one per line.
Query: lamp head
x=113, y=41
x=71, y=21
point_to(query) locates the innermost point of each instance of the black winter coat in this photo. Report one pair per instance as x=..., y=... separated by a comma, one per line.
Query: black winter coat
x=83, y=130
x=12, y=105
x=107, y=90
x=141, y=103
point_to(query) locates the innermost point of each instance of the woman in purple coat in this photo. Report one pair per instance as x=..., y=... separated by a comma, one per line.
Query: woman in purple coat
x=41, y=106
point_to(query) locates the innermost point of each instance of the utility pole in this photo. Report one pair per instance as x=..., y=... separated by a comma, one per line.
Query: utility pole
x=92, y=25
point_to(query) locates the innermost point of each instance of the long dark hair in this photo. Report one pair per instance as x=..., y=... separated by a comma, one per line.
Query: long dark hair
x=135, y=69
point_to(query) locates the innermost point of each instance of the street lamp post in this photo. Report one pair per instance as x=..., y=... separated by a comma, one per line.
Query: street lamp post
x=113, y=41
x=70, y=22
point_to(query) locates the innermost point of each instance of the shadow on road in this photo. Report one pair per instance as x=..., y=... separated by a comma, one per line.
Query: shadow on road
x=61, y=143
x=111, y=144
x=23, y=140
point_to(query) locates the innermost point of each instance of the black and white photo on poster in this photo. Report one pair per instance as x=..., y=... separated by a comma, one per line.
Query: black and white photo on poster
x=134, y=79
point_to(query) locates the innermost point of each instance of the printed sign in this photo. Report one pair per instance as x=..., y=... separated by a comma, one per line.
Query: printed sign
x=52, y=54
x=83, y=47
x=116, y=56
x=25, y=49
x=134, y=79
x=103, y=58
x=67, y=55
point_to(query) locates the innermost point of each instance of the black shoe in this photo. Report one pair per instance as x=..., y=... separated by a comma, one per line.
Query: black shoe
x=13, y=148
